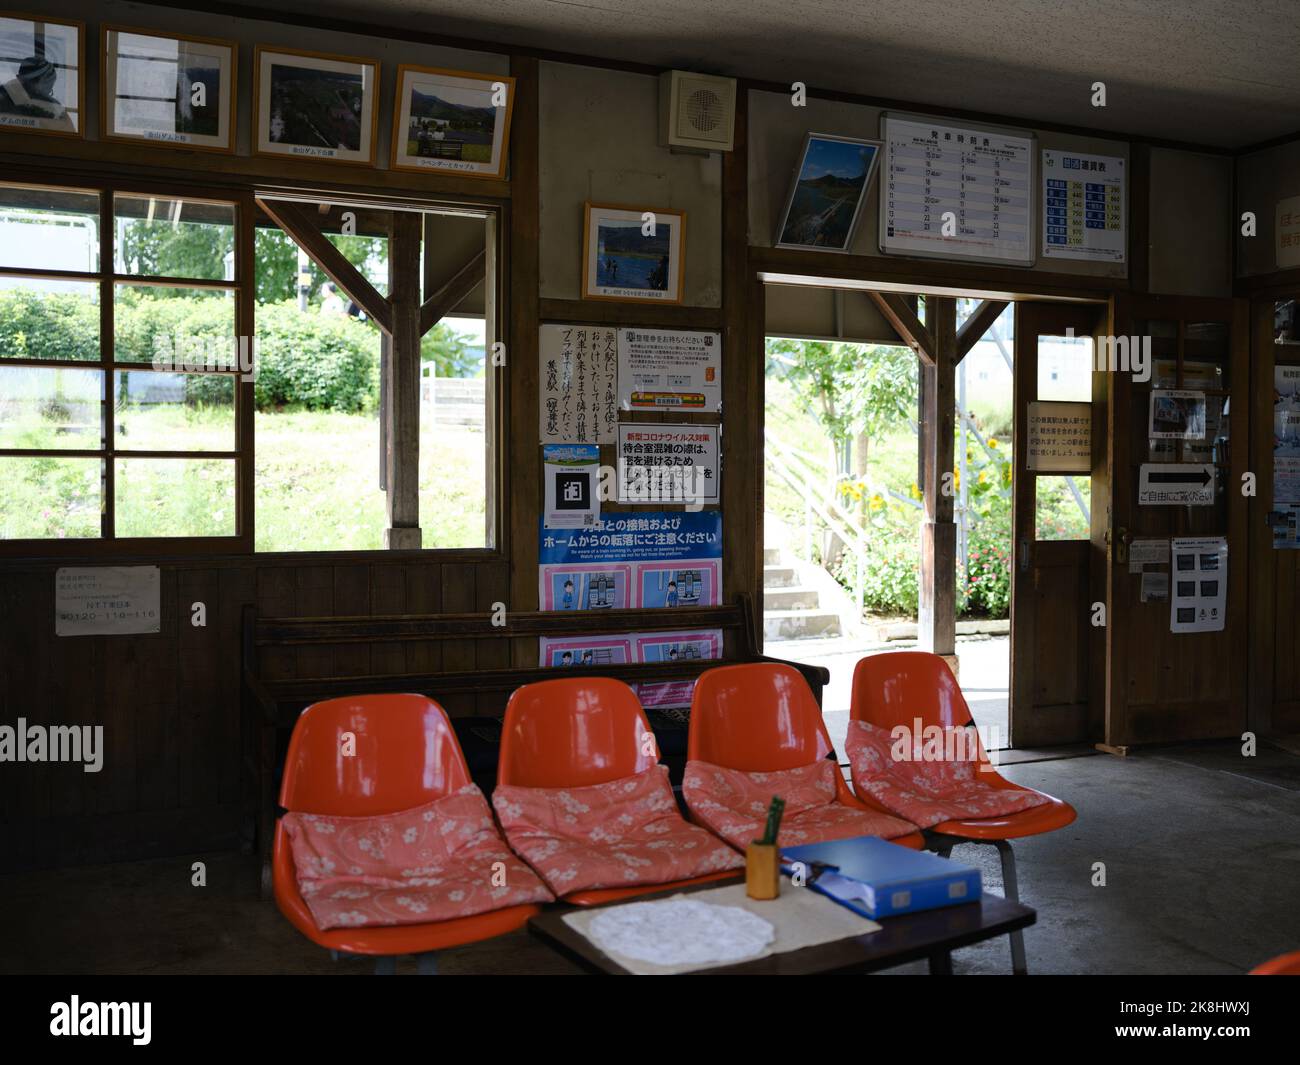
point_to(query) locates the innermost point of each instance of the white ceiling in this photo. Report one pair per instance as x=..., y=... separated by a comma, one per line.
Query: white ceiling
x=1212, y=72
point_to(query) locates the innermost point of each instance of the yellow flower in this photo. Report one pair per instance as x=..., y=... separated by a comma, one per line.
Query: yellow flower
x=993, y=441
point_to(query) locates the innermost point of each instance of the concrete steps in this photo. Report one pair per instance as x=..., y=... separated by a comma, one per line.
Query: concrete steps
x=800, y=624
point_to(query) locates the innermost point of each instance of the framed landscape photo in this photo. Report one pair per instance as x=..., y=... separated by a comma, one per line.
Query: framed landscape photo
x=633, y=254
x=825, y=199
x=452, y=121
x=168, y=89
x=315, y=106
x=41, y=81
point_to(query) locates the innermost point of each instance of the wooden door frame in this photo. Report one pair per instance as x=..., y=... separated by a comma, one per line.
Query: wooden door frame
x=1035, y=319
x=1126, y=309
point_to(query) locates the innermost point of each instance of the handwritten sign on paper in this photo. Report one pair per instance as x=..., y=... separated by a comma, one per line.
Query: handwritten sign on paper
x=578, y=384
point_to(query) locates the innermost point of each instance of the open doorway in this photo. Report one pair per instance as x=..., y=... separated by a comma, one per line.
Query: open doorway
x=843, y=505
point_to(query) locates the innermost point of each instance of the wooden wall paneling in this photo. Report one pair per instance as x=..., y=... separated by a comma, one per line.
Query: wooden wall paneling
x=156, y=700
x=424, y=596
x=388, y=596
x=352, y=599
x=522, y=487
x=460, y=596
x=237, y=588
x=275, y=597
x=314, y=598
x=493, y=586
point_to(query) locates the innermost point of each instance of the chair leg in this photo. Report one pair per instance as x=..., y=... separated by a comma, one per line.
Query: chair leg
x=1011, y=891
x=427, y=963
x=386, y=965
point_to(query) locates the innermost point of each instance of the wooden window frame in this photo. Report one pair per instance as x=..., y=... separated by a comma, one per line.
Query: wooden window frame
x=243, y=197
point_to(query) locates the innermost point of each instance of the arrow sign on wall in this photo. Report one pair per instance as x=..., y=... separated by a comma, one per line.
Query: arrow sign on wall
x=1176, y=484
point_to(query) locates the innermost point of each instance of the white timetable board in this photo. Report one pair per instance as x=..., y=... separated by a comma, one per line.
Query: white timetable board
x=983, y=175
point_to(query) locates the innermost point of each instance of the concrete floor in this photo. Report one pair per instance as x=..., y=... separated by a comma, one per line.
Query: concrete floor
x=1201, y=850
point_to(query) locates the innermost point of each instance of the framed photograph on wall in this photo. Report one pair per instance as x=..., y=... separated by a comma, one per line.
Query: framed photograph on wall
x=452, y=121
x=826, y=194
x=315, y=106
x=168, y=89
x=41, y=81
x=633, y=254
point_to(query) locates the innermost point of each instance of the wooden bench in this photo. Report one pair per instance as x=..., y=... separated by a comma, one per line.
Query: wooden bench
x=271, y=705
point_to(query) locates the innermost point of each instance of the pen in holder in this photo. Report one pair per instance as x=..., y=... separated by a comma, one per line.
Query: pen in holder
x=762, y=859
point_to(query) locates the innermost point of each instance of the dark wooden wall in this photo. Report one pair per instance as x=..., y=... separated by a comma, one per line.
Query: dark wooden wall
x=169, y=702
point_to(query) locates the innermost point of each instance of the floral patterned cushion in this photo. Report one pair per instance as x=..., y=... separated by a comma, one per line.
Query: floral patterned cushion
x=435, y=862
x=734, y=804
x=923, y=789
x=618, y=834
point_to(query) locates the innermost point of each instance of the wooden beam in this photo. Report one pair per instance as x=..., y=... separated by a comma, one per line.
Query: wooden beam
x=294, y=220
x=461, y=284
x=938, y=592
x=523, y=473
x=897, y=312
x=978, y=324
x=402, y=455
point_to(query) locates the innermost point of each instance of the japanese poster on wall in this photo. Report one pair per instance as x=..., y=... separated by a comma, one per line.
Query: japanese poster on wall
x=660, y=559
x=570, y=474
x=577, y=384
x=1060, y=437
x=1285, y=518
x=669, y=368
x=1198, y=592
x=668, y=463
x=106, y=600
x=1287, y=230
x=652, y=559
x=1201, y=377
x=1176, y=414
x=1083, y=207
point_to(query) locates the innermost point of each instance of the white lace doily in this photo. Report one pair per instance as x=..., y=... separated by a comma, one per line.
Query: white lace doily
x=680, y=932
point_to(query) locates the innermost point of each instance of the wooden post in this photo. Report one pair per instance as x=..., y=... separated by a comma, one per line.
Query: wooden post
x=938, y=608
x=402, y=457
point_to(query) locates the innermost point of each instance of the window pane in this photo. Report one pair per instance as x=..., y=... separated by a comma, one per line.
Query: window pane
x=42, y=319
x=174, y=497
x=1065, y=368
x=317, y=430
x=173, y=411
x=159, y=237
x=49, y=229
x=47, y=408
x=168, y=327
x=453, y=440
x=50, y=498
x=1061, y=508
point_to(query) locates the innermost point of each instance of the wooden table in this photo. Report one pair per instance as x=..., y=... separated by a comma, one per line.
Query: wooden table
x=930, y=934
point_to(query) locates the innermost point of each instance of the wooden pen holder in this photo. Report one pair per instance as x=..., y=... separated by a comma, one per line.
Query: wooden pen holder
x=762, y=871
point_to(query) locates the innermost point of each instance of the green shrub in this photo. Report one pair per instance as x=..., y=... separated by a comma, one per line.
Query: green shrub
x=316, y=362
x=48, y=325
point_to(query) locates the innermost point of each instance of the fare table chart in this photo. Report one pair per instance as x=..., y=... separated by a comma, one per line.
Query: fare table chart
x=1083, y=207
x=982, y=178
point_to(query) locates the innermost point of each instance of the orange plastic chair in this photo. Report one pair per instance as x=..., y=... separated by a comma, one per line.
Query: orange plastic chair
x=574, y=733
x=761, y=717
x=1282, y=965
x=901, y=687
x=406, y=755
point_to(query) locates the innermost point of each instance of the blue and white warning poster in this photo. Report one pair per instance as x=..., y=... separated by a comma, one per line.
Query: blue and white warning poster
x=657, y=560
x=630, y=559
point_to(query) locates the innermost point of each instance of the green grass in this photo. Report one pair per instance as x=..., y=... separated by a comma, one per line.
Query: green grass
x=316, y=484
